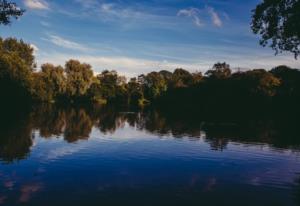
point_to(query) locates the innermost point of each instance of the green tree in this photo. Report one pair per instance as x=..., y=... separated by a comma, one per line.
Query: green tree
x=9, y=10
x=94, y=93
x=16, y=66
x=135, y=91
x=109, y=82
x=20, y=48
x=79, y=79
x=154, y=85
x=49, y=83
x=278, y=24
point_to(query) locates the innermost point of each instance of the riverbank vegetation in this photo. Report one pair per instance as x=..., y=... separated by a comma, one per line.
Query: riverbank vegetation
x=219, y=89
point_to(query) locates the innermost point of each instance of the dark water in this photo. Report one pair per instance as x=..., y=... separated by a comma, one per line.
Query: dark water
x=104, y=157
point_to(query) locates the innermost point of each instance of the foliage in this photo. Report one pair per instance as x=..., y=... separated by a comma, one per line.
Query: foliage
x=9, y=10
x=49, y=83
x=219, y=90
x=79, y=78
x=278, y=23
x=219, y=71
x=16, y=66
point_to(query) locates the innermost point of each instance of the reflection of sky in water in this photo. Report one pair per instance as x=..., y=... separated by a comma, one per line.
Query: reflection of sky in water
x=117, y=167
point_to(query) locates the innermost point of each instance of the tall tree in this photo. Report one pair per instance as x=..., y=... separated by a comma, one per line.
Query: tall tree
x=16, y=66
x=9, y=10
x=79, y=78
x=20, y=48
x=278, y=23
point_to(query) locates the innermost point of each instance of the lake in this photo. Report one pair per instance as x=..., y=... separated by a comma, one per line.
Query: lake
x=100, y=156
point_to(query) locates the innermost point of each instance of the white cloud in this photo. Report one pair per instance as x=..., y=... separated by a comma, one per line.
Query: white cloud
x=35, y=49
x=124, y=65
x=65, y=43
x=214, y=17
x=107, y=7
x=198, y=16
x=130, y=67
x=36, y=4
x=193, y=13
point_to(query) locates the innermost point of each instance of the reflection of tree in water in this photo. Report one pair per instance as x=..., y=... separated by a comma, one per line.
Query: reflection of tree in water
x=50, y=121
x=277, y=134
x=76, y=124
x=15, y=141
x=155, y=122
x=217, y=143
x=297, y=190
x=109, y=120
x=152, y=122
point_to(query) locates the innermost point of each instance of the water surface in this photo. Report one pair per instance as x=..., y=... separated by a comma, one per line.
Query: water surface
x=79, y=156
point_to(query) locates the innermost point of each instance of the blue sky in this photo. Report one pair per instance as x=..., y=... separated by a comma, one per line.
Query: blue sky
x=136, y=36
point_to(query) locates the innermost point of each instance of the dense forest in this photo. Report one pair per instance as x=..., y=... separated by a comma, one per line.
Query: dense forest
x=218, y=90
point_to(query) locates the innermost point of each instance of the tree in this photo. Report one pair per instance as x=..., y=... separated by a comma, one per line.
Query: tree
x=181, y=78
x=16, y=66
x=278, y=23
x=79, y=78
x=9, y=10
x=49, y=83
x=154, y=85
x=219, y=71
x=20, y=48
x=135, y=91
x=260, y=82
x=108, y=84
x=290, y=79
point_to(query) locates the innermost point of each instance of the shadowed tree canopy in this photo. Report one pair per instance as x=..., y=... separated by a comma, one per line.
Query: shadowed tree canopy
x=16, y=67
x=219, y=71
x=278, y=24
x=9, y=10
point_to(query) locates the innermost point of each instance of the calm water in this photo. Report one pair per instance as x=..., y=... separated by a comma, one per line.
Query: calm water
x=104, y=157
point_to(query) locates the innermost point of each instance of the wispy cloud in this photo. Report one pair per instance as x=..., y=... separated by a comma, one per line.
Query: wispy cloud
x=193, y=13
x=215, y=18
x=123, y=15
x=108, y=9
x=200, y=15
x=35, y=48
x=45, y=24
x=68, y=44
x=36, y=4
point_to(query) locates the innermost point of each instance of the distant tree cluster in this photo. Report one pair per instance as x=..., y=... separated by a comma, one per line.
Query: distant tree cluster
x=218, y=88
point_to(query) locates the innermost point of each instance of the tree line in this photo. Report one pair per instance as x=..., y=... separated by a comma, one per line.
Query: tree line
x=75, y=82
